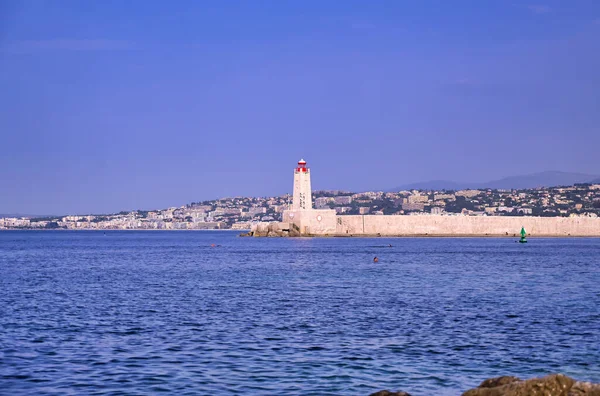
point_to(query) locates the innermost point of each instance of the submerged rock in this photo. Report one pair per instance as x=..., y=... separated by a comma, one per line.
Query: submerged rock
x=388, y=393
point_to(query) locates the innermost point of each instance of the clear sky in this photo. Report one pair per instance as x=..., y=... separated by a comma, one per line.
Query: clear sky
x=109, y=106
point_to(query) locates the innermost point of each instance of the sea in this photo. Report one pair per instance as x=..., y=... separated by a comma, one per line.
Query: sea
x=209, y=312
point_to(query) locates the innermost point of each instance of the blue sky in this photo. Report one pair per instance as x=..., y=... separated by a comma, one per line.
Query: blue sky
x=109, y=106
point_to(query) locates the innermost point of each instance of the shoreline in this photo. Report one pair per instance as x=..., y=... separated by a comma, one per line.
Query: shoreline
x=112, y=229
x=244, y=233
x=424, y=236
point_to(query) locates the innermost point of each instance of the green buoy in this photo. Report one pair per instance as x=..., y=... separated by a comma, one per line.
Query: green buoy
x=523, y=234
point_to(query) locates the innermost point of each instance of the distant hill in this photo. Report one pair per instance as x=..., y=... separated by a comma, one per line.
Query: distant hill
x=542, y=179
x=30, y=216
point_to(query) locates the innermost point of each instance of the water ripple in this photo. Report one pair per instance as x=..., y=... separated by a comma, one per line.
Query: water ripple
x=152, y=312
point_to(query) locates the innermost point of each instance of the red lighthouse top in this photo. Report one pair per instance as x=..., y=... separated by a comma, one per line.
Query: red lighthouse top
x=301, y=166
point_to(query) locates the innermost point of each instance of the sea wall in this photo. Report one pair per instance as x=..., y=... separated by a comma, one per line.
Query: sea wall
x=364, y=225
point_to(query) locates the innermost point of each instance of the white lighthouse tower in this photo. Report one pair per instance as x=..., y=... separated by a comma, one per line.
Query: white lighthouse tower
x=308, y=221
x=302, y=191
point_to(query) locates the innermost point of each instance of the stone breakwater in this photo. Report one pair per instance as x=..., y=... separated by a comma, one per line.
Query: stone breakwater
x=273, y=229
x=551, y=385
x=467, y=226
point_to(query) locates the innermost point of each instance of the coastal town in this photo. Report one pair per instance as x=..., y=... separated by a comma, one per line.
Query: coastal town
x=241, y=212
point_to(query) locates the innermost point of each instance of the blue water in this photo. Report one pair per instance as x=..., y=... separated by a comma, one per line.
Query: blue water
x=144, y=312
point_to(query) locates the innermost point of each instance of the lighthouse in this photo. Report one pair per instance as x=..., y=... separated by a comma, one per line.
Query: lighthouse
x=301, y=215
x=302, y=192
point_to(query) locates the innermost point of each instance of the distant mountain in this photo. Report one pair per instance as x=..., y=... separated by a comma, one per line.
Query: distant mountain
x=432, y=185
x=542, y=179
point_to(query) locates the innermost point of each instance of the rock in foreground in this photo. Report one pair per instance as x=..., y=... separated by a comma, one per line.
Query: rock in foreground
x=550, y=385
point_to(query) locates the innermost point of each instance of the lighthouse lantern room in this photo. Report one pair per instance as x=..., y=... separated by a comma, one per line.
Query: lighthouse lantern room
x=301, y=166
